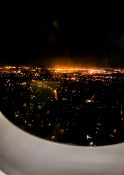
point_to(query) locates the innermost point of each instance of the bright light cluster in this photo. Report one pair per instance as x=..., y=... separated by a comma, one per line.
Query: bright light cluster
x=60, y=69
x=84, y=70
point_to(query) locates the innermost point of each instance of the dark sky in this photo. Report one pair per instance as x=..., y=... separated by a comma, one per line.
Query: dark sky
x=37, y=32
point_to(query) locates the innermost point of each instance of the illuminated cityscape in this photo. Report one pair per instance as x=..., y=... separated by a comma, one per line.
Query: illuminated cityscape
x=72, y=105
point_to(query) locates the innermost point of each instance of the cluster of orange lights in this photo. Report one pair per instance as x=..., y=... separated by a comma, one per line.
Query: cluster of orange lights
x=77, y=69
x=87, y=70
x=66, y=69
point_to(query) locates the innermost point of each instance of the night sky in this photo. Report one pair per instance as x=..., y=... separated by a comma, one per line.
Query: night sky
x=42, y=31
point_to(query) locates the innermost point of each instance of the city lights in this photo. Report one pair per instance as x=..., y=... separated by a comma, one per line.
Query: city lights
x=76, y=105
